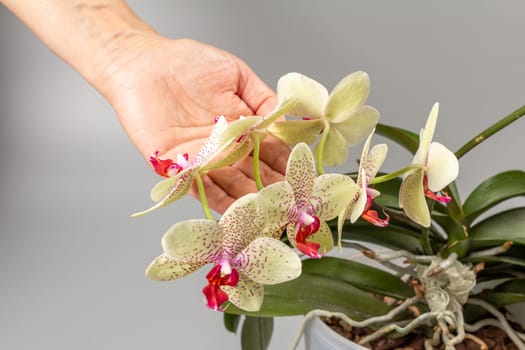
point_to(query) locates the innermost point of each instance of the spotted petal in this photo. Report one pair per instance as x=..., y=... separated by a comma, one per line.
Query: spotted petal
x=246, y=295
x=301, y=173
x=214, y=144
x=279, y=200
x=268, y=261
x=358, y=125
x=294, y=131
x=238, y=151
x=412, y=198
x=194, y=241
x=311, y=96
x=359, y=207
x=242, y=222
x=375, y=160
x=442, y=167
x=166, y=268
x=237, y=128
x=350, y=93
x=331, y=194
x=182, y=185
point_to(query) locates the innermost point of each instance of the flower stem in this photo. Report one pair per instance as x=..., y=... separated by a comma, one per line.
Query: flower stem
x=394, y=174
x=320, y=147
x=256, y=161
x=424, y=239
x=485, y=134
x=203, y=199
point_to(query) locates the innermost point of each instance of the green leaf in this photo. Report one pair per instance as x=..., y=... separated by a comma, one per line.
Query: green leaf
x=513, y=286
x=392, y=236
x=492, y=191
x=455, y=231
x=407, y=139
x=311, y=291
x=497, y=259
x=359, y=275
x=499, y=299
x=231, y=322
x=507, y=293
x=497, y=229
x=256, y=333
x=389, y=193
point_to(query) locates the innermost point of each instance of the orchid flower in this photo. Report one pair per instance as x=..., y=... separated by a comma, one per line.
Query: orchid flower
x=361, y=205
x=340, y=115
x=245, y=258
x=181, y=173
x=436, y=167
x=304, y=201
x=248, y=132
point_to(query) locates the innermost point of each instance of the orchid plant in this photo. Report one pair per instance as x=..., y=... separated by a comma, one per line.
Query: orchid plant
x=447, y=267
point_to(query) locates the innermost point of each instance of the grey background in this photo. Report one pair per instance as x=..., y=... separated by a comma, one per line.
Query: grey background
x=71, y=258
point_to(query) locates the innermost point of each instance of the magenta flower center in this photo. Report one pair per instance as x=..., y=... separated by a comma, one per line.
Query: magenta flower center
x=307, y=225
x=219, y=275
x=167, y=167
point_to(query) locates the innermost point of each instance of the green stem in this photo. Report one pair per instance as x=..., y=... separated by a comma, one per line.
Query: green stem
x=320, y=148
x=256, y=161
x=425, y=234
x=485, y=134
x=203, y=199
x=395, y=174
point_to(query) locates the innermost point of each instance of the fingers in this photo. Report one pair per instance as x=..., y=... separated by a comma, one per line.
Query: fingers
x=218, y=199
x=274, y=153
x=224, y=185
x=254, y=92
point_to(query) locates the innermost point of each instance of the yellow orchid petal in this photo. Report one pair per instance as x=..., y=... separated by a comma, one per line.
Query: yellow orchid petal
x=335, y=149
x=310, y=95
x=278, y=201
x=292, y=132
x=268, y=261
x=375, y=159
x=426, y=135
x=166, y=268
x=358, y=125
x=324, y=238
x=350, y=93
x=242, y=222
x=193, y=241
x=246, y=295
x=412, y=198
x=331, y=194
x=301, y=173
x=442, y=167
x=360, y=205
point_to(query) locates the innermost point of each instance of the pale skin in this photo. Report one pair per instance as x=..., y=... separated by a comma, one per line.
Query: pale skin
x=165, y=92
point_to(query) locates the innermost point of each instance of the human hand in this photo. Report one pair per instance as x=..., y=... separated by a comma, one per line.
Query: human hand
x=167, y=94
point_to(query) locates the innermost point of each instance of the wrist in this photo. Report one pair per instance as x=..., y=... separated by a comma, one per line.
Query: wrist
x=93, y=36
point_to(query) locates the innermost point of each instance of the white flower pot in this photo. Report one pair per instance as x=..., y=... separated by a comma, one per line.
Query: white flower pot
x=319, y=336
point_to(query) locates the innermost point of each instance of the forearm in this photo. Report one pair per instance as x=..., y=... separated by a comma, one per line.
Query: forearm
x=90, y=35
